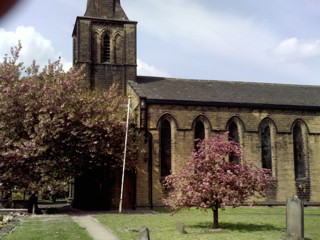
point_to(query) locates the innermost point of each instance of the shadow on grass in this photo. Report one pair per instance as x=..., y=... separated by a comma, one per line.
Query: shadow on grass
x=162, y=210
x=241, y=227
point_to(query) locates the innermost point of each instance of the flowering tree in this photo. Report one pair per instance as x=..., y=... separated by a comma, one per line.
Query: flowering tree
x=209, y=181
x=52, y=127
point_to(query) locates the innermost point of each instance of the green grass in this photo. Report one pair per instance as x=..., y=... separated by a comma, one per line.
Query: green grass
x=257, y=223
x=244, y=223
x=55, y=227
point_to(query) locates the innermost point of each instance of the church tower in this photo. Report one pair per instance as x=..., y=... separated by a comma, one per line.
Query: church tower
x=104, y=41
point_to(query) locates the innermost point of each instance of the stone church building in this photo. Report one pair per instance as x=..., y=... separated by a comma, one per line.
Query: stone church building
x=277, y=125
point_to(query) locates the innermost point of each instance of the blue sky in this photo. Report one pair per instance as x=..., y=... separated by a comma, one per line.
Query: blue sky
x=239, y=40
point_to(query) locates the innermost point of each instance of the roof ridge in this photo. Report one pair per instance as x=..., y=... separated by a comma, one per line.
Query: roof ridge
x=226, y=81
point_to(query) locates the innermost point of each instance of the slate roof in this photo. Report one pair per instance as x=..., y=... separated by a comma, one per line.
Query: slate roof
x=226, y=93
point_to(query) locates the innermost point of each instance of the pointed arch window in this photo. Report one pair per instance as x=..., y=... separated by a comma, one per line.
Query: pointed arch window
x=118, y=51
x=165, y=141
x=234, y=136
x=106, y=48
x=199, y=133
x=298, y=151
x=266, y=150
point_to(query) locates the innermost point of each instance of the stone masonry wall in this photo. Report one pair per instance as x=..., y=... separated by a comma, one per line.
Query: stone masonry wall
x=183, y=117
x=88, y=48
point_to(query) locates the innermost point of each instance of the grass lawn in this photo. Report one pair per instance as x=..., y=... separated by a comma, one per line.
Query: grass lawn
x=240, y=223
x=48, y=227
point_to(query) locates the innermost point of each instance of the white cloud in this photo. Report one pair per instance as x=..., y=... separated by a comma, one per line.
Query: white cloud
x=293, y=49
x=145, y=69
x=197, y=29
x=34, y=46
x=195, y=41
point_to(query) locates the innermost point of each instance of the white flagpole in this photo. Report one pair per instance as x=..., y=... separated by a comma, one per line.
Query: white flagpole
x=124, y=155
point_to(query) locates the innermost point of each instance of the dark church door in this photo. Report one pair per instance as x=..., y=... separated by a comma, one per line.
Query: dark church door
x=99, y=189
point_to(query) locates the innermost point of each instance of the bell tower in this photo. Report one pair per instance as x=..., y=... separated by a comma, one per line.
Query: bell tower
x=104, y=41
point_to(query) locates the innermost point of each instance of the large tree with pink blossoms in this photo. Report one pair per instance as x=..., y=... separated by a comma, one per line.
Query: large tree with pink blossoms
x=209, y=181
x=52, y=128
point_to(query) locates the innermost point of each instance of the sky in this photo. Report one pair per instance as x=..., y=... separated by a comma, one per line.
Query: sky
x=234, y=40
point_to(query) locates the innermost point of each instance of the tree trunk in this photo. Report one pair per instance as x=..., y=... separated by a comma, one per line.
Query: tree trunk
x=215, y=216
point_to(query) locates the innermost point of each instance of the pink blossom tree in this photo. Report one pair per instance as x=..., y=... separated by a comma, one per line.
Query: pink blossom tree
x=52, y=128
x=209, y=181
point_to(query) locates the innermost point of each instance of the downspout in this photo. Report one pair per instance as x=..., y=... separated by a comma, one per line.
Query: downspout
x=148, y=139
x=92, y=79
x=124, y=62
x=150, y=167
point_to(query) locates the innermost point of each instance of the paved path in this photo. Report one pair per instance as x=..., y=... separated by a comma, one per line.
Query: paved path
x=94, y=228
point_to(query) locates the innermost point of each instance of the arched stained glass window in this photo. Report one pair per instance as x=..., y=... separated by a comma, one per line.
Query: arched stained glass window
x=234, y=136
x=299, y=161
x=266, y=151
x=199, y=133
x=165, y=138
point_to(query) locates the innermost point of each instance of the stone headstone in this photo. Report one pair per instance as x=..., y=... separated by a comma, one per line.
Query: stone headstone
x=181, y=228
x=144, y=234
x=295, y=219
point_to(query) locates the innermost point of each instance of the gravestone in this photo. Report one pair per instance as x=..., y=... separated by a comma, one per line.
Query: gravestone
x=295, y=219
x=144, y=234
x=181, y=228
